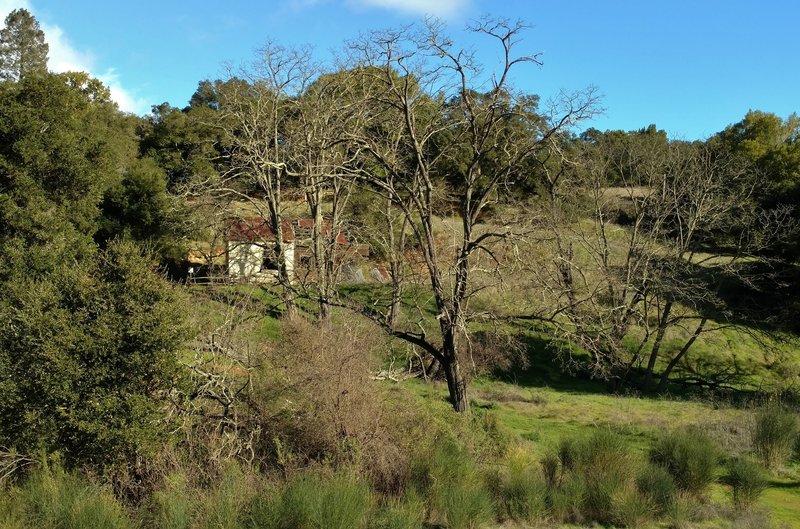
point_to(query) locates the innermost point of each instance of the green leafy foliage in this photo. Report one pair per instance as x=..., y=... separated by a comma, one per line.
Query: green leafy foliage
x=62, y=146
x=86, y=354
x=748, y=481
x=139, y=207
x=657, y=484
x=690, y=457
x=182, y=142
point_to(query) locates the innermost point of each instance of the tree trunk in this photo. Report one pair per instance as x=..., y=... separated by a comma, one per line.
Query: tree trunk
x=456, y=383
x=662, y=384
x=324, y=310
x=397, y=294
x=394, y=312
x=662, y=329
x=456, y=386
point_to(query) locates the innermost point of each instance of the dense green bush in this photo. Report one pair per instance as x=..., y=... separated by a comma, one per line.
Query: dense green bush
x=658, y=486
x=774, y=436
x=690, y=457
x=748, y=481
x=604, y=461
x=86, y=358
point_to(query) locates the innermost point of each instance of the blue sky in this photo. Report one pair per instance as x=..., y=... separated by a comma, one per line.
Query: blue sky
x=691, y=67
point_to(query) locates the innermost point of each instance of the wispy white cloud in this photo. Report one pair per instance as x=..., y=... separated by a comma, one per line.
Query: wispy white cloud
x=7, y=6
x=439, y=8
x=65, y=57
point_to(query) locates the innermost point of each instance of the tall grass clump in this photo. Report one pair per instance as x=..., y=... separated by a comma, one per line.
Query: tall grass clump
x=171, y=506
x=466, y=505
x=606, y=467
x=565, y=501
x=595, y=481
x=53, y=498
x=656, y=484
x=519, y=489
x=748, y=481
x=11, y=515
x=774, y=436
x=223, y=507
x=407, y=512
x=285, y=506
x=690, y=457
x=630, y=508
x=314, y=501
x=343, y=503
x=446, y=475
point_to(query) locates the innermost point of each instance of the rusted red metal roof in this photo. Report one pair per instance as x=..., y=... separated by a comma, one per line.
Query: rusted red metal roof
x=255, y=229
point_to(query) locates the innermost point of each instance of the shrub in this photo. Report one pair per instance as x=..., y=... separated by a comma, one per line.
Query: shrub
x=630, y=508
x=748, y=481
x=774, y=436
x=402, y=513
x=690, y=457
x=497, y=352
x=86, y=355
x=520, y=490
x=52, y=498
x=657, y=484
x=323, y=407
x=465, y=505
x=171, y=507
x=312, y=501
x=604, y=463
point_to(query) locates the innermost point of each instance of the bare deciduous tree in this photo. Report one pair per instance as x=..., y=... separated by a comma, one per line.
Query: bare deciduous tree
x=455, y=134
x=627, y=267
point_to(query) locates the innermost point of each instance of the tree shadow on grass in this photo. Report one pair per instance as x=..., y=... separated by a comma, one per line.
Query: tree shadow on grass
x=544, y=369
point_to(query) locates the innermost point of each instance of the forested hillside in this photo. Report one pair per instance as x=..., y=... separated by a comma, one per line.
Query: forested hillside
x=398, y=292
